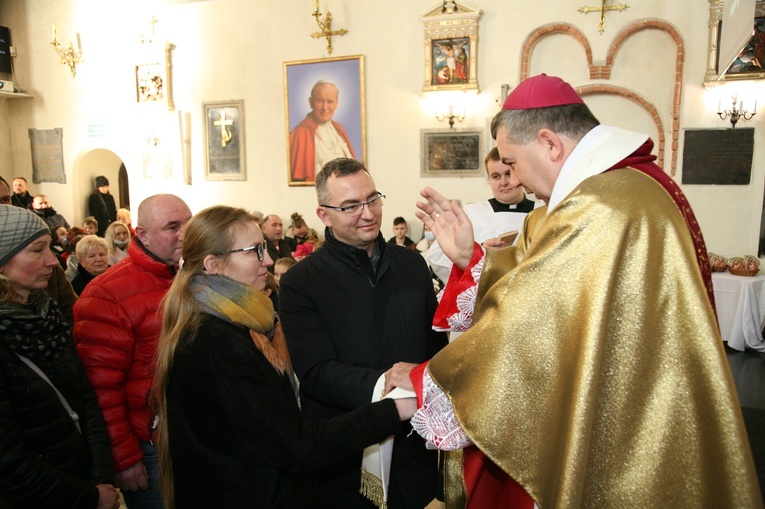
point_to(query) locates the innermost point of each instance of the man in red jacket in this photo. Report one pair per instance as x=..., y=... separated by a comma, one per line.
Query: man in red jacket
x=118, y=321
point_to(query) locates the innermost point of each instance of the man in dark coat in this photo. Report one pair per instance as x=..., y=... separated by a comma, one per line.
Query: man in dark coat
x=41, y=206
x=21, y=196
x=276, y=244
x=352, y=312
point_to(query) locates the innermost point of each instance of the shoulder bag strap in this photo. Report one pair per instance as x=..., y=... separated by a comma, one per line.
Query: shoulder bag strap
x=72, y=414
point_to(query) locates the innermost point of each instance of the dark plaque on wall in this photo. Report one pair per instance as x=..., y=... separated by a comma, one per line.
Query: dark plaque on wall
x=451, y=152
x=718, y=156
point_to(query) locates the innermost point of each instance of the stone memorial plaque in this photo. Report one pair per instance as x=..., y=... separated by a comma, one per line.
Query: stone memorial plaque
x=47, y=155
x=720, y=157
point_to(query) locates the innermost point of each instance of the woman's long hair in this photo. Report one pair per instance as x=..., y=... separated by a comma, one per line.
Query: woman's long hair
x=211, y=231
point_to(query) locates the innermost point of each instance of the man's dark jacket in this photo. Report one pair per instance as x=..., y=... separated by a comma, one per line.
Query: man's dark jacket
x=22, y=200
x=345, y=325
x=284, y=244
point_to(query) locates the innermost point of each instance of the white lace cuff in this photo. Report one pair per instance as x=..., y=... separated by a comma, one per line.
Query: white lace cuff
x=435, y=420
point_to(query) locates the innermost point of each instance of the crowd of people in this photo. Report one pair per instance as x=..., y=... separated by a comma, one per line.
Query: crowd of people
x=217, y=360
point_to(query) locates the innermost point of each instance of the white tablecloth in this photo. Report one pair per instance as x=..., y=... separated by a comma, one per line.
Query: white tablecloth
x=740, y=303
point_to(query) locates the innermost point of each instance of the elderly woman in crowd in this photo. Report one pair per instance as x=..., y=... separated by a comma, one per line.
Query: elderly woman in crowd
x=93, y=255
x=230, y=429
x=54, y=448
x=118, y=238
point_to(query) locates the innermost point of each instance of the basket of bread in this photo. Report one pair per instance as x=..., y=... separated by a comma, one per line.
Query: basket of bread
x=718, y=263
x=744, y=266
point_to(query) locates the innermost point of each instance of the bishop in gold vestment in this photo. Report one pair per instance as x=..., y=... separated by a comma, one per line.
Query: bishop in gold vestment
x=594, y=373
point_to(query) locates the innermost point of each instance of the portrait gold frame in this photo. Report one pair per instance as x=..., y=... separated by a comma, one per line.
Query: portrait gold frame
x=348, y=74
x=713, y=40
x=452, y=20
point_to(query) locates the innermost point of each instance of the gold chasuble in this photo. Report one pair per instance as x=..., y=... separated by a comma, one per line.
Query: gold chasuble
x=594, y=373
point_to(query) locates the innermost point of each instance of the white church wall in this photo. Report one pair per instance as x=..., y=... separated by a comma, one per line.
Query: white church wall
x=235, y=49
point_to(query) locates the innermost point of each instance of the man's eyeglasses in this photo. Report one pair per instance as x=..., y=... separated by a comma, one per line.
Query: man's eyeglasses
x=259, y=249
x=355, y=209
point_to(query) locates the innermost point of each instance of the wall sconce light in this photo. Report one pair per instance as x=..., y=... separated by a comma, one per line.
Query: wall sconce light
x=325, y=26
x=451, y=115
x=68, y=56
x=736, y=113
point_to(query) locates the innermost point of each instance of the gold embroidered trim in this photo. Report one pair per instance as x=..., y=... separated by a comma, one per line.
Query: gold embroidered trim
x=372, y=488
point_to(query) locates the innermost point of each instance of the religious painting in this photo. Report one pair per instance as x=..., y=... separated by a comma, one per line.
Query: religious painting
x=749, y=64
x=224, y=140
x=451, y=152
x=153, y=75
x=450, y=58
x=451, y=47
x=324, y=104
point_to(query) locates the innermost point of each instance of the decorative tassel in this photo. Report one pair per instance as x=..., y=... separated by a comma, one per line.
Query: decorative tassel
x=371, y=488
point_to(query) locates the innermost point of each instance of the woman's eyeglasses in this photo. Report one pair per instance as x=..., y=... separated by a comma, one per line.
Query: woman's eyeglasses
x=355, y=209
x=259, y=249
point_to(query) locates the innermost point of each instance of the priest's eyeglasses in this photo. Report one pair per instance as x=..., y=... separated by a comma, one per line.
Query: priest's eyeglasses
x=355, y=209
x=259, y=249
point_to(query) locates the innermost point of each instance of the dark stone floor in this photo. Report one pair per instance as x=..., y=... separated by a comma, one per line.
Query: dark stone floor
x=748, y=370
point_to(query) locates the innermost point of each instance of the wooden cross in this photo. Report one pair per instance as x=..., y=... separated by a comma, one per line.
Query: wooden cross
x=225, y=132
x=602, y=9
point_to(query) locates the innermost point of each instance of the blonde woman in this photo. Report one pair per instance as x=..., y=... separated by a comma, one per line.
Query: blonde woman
x=230, y=429
x=118, y=238
x=93, y=255
x=123, y=216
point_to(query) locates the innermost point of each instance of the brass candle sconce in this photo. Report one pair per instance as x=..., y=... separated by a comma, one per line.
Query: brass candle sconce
x=68, y=55
x=325, y=26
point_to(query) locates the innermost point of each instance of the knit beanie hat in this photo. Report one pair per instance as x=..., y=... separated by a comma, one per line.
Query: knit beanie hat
x=102, y=181
x=18, y=229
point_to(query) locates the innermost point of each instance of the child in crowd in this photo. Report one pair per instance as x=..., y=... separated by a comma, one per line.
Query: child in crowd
x=281, y=266
x=90, y=225
x=271, y=290
x=400, y=229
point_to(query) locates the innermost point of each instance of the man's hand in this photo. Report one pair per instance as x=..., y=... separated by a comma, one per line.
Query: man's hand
x=108, y=498
x=398, y=376
x=450, y=224
x=133, y=479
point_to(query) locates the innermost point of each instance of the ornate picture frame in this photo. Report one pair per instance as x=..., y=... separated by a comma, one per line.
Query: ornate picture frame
x=451, y=47
x=451, y=152
x=739, y=70
x=224, y=140
x=347, y=116
x=154, y=75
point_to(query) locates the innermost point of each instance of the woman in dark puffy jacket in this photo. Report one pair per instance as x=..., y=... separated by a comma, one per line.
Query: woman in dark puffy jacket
x=51, y=456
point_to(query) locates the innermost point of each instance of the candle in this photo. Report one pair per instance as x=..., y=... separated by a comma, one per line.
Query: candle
x=54, y=32
x=719, y=105
x=79, y=43
x=315, y=5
